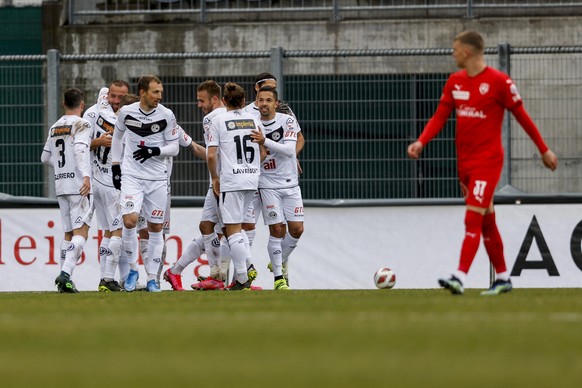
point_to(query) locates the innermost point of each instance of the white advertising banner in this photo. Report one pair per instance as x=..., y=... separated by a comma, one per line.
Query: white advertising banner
x=341, y=248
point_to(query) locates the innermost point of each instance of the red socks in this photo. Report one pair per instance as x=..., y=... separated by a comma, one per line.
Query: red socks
x=473, y=227
x=493, y=243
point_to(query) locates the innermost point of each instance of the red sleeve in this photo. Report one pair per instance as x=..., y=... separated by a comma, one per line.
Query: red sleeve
x=436, y=122
x=529, y=126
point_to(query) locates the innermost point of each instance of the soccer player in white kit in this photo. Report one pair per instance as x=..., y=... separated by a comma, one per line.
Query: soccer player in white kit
x=67, y=151
x=151, y=135
x=234, y=163
x=279, y=183
x=102, y=117
x=208, y=94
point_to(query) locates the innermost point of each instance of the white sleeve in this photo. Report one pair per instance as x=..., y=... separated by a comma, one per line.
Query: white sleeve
x=117, y=142
x=45, y=157
x=83, y=159
x=170, y=149
x=287, y=147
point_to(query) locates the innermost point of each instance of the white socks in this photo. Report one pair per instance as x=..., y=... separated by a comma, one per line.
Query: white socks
x=73, y=251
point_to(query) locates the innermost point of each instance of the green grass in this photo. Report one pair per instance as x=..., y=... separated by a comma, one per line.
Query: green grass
x=394, y=338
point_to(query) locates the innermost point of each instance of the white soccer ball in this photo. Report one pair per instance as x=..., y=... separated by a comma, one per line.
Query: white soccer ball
x=384, y=278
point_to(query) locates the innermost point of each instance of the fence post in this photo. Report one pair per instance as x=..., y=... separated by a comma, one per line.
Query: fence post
x=470, y=14
x=203, y=12
x=504, y=66
x=53, y=99
x=276, y=68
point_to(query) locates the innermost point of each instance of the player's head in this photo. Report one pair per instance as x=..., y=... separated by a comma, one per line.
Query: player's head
x=73, y=99
x=466, y=45
x=265, y=79
x=127, y=100
x=150, y=91
x=117, y=89
x=267, y=101
x=234, y=96
x=208, y=95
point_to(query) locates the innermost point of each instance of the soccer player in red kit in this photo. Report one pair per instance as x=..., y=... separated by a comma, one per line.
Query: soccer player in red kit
x=480, y=95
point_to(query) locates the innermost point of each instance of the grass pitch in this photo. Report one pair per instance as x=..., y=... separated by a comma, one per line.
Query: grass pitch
x=390, y=338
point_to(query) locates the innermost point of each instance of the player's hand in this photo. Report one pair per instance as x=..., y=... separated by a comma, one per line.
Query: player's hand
x=216, y=187
x=257, y=136
x=414, y=150
x=550, y=160
x=299, y=169
x=85, y=187
x=116, y=176
x=105, y=140
x=145, y=152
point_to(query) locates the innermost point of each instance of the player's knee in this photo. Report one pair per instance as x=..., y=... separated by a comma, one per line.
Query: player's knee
x=296, y=230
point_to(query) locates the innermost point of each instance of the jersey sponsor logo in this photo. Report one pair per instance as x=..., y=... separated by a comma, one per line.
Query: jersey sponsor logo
x=63, y=130
x=270, y=165
x=275, y=135
x=64, y=175
x=249, y=170
x=291, y=134
x=105, y=125
x=484, y=88
x=470, y=112
x=232, y=125
x=133, y=123
x=461, y=95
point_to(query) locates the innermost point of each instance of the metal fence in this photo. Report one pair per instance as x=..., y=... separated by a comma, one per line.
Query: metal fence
x=103, y=11
x=358, y=110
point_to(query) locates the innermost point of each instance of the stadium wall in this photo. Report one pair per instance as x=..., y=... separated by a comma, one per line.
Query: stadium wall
x=340, y=249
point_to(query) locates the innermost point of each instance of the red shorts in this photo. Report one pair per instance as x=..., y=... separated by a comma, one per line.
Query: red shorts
x=479, y=186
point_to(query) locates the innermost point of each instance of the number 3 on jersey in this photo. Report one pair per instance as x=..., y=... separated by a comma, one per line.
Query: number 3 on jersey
x=243, y=148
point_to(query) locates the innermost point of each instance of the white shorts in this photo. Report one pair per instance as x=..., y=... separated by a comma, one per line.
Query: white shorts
x=210, y=208
x=151, y=195
x=254, y=210
x=76, y=211
x=282, y=205
x=233, y=204
x=142, y=223
x=107, y=208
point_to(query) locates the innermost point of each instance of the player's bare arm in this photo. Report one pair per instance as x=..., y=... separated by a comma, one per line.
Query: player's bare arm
x=101, y=141
x=198, y=150
x=86, y=187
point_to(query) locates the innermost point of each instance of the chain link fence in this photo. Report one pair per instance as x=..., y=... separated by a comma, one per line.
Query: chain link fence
x=359, y=109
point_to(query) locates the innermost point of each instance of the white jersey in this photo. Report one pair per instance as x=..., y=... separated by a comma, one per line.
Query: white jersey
x=279, y=171
x=206, y=121
x=152, y=129
x=184, y=140
x=253, y=109
x=101, y=157
x=63, y=135
x=239, y=157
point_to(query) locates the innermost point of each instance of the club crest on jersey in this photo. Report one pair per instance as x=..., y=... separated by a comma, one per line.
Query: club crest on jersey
x=129, y=205
x=484, y=88
x=155, y=128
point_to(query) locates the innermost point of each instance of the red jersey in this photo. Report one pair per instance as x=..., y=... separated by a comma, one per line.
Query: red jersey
x=480, y=103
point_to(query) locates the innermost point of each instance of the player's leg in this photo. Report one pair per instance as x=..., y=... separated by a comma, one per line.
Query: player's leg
x=232, y=205
x=494, y=246
x=131, y=201
x=294, y=214
x=248, y=225
x=155, y=200
x=80, y=215
x=272, y=206
x=113, y=218
x=191, y=253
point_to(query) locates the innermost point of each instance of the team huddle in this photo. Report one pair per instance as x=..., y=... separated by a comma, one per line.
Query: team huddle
x=116, y=161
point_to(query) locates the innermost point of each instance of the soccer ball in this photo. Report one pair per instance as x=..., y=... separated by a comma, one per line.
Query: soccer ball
x=384, y=278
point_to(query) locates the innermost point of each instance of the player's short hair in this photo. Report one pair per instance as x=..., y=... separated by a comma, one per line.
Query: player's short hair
x=471, y=38
x=211, y=87
x=268, y=88
x=262, y=77
x=73, y=98
x=144, y=82
x=234, y=95
x=128, y=99
x=119, y=83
